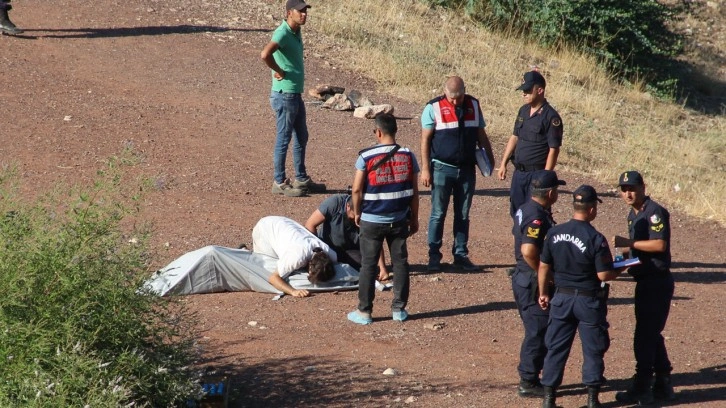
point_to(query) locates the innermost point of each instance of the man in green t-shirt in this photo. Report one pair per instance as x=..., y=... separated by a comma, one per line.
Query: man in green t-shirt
x=284, y=55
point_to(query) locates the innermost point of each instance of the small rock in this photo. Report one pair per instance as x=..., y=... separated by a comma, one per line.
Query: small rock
x=410, y=400
x=370, y=112
x=358, y=99
x=252, y=323
x=323, y=92
x=389, y=371
x=435, y=279
x=339, y=102
x=309, y=368
x=435, y=326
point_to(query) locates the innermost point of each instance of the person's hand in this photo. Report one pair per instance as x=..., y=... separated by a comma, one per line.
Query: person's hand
x=425, y=178
x=383, y=275
x=412, y=227
x=544, y=302
x=357, y=220
x=279, y=76
x=502, y=172
x=300, y=293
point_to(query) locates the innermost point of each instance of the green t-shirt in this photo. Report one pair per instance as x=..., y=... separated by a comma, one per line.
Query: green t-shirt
x=289, y=56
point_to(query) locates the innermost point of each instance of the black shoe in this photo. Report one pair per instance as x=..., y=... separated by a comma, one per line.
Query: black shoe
x=434, y=264
x=548, y=401
x=639, y=393
x=6, y=25
x=593, y=394
x=663, y=389
x=463, y=262
x=530, y=389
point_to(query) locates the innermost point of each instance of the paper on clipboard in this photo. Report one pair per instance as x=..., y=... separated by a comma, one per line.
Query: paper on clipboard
x=626, y=262
x=482, y=161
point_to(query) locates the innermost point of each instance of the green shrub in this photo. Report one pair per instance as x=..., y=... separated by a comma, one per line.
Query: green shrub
x=629, y=37
x=75, y=330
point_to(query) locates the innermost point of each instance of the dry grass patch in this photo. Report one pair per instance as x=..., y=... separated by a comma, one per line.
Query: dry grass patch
x=409, y=48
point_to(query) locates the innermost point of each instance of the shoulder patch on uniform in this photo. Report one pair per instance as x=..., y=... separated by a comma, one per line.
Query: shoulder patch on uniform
x=520, y=119
x=532, y=232
x=556, y=122
x=657, y=227
x=654, y=219
x=537, y=222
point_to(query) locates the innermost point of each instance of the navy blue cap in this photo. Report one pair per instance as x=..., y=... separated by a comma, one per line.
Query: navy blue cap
x=546, y=179
x=630, y=178
x=531, y=79
x=298, y=5
x=585, y=194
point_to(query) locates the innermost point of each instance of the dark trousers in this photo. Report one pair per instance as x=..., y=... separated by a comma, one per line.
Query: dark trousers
x=588, y=316
x=519, y=190
x=653, y=297
x=372, y=236
x=348, y=256
x=532, y=352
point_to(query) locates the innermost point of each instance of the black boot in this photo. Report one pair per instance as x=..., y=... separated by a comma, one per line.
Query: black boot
x=662, y=387
x=549, y=398
x=530, y=389
x=639, y=393
x=593, y=392
x=6, y=25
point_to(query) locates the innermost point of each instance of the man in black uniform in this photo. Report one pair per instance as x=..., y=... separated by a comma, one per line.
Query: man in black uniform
x=531, y=223
x=577, y=257
x=535, y=142
x=6, y=25
x=650, y=236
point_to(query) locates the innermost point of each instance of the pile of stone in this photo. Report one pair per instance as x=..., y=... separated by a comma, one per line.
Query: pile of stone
x=335, y=98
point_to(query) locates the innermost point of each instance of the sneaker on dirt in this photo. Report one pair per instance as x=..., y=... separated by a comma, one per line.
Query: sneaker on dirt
x=286, y=189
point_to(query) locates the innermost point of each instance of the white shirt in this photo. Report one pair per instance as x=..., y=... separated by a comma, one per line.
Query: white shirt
x=288, y=241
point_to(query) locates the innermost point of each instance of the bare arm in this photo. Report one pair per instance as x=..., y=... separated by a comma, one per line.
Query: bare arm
x=544, y=276
x=645, y=245
x=269, y=60
x=425, y=176
x=552, y=156
x=609, y=275
x=357, y=194
x=280, y=284
x=530, y=253
x=508, y=151
x=314, y=221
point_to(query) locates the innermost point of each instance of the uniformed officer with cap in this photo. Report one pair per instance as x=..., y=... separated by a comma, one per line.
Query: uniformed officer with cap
x=531, y=223
x=649, y=240
x=535, y=142
x=578, y=259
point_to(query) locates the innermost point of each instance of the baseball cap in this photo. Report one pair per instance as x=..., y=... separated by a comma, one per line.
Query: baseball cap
x=585, y=194
x=546, y=179
x=298, y=5
x=531, y=79
x=631, y=178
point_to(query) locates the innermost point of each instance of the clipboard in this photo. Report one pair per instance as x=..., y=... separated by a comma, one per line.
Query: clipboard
x=626, y=262
x=482, y=161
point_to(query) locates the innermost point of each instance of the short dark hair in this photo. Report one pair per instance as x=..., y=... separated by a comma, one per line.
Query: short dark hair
x=387, y=123
x=540, y=192
x=580, y=206
x=320, y=268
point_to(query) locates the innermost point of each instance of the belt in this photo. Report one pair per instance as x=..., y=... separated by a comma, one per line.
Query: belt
x=582, y=292
x=528, y=167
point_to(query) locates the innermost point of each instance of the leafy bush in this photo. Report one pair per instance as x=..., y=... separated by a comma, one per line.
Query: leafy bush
x=75, y=330
x=629, y=37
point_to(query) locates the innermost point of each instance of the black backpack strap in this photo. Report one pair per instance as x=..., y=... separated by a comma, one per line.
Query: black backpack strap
x=388, y=157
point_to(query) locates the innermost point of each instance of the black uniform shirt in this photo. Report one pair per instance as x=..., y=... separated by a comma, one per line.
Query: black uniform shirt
x=576, y=251
x=652, y=222
x=531, y=223
x=338, y=230
x=536, y=134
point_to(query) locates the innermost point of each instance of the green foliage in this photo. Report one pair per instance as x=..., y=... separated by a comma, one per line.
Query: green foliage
x=75, y=329
x=629, y=37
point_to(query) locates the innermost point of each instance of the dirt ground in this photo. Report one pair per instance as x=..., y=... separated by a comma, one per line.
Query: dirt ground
x=181, y=83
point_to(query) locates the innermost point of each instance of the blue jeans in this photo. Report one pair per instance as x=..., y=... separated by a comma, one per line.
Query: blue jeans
x=291, y=120
x=372, y=235
x=447, y=181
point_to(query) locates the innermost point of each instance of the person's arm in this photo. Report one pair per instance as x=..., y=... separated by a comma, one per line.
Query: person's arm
x=280, y=284
x=530, y=253
x=544, y=276
x=413, y=222
x=552, y=156
x=605, y=276
x=314, y=221
x=508, y=151
x=645, y=245
x=425, y=176
x=485, y=144
x=356, y=194
x=269, y=60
